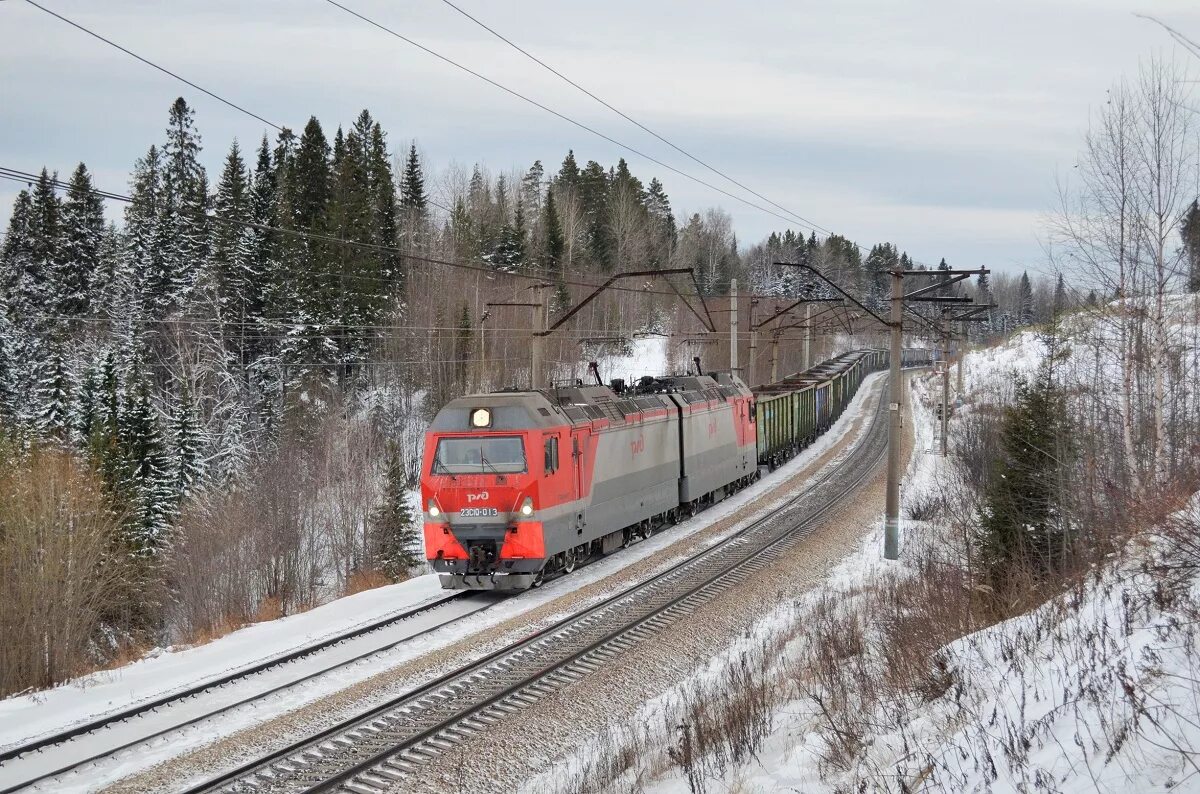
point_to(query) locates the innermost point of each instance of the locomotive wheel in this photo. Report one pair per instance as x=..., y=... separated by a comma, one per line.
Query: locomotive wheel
x=628, y=538
x=647, y=529
x=540, y=578
x=568, y=562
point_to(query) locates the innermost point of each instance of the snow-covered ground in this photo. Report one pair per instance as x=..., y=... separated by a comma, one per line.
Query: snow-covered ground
x=1094, y=691
x=28, y=716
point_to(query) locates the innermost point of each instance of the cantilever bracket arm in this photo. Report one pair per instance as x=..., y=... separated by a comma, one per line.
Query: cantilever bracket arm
x=780, y=328
x=843, y=292
x=632, y=274
x=937, y=286
x=791, y=306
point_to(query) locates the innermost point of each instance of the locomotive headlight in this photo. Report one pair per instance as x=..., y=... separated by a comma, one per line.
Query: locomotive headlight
x=434, y=510
x=527, y=507
x=481, y=417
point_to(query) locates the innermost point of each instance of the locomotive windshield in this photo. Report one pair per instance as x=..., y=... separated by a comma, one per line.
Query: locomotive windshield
x=479, y=455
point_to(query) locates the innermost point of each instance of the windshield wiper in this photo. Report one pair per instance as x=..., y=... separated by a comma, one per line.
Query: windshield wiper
x=440, y=467
x=485, y=462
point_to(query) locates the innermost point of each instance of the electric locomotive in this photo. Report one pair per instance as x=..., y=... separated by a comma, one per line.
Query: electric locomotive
x=520, y=484
x=517, y=485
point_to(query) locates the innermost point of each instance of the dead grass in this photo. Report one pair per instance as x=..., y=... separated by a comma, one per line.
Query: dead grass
x=362, y=580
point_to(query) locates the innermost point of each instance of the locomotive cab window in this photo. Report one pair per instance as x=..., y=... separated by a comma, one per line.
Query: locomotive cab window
x=551, y=454
x=479, y=455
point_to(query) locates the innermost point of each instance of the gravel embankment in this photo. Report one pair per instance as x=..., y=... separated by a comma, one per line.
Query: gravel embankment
x=525, y=745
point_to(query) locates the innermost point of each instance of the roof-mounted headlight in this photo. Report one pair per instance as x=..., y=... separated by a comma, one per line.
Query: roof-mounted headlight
x=481, y=417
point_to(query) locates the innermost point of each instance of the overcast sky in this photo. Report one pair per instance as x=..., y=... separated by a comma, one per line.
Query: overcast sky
x=940, y=126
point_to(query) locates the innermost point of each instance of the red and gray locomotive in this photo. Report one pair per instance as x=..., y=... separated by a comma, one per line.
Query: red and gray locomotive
x=518, y=485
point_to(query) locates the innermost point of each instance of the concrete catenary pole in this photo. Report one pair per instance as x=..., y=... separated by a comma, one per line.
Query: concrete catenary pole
x=535, y=351
x=961, y=349
x=775, y=358
x=753, y=346
x=945, y=387
x=808, y=335
x=733, y=326
x=891, y=526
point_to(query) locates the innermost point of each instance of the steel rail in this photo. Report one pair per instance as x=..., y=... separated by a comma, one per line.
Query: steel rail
x=62, y=737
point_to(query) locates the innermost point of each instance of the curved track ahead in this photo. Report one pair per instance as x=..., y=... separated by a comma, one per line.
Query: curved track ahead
x=377, y=751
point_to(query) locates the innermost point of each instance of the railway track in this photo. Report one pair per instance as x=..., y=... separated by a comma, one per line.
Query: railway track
x=48, y=766
x=379, y=750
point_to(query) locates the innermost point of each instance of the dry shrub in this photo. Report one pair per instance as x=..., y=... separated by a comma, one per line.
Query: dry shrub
x=721, y=724
x=365, y=580
x=61, y=567
x=295, y=535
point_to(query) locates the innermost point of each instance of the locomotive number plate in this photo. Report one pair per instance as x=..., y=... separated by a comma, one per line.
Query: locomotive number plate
x=477, y=512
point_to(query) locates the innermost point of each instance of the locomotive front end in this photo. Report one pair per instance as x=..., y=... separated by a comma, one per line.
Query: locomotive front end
x=479, y=493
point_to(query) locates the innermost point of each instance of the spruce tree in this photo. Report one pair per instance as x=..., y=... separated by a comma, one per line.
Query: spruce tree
x=1060, y=296
x=38, y=291
x=146, y=481
x=1024, y=521
x=594, y=192
x=552, y=230
x=531, y=188
x=231, y=263
x=663, y=233
x=186, y=465
x=384, y=211
x=983, y=294
x=184, y=230
x=140, y=281
x=412, y=184
x=55, y=391
x=394, y=530
x=82, y=240
x=1024, y=301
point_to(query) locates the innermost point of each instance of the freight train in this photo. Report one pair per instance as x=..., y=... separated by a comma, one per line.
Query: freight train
x=520, y=485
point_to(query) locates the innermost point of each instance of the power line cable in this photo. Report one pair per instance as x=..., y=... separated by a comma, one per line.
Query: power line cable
x=562, y=116
x=631, y=120
x=180, y=78
x=154, y=65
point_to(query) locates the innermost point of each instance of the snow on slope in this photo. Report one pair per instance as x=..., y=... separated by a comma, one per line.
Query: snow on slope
x=1097, y=690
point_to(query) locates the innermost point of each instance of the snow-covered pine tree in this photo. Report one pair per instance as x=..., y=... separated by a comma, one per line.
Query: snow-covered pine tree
x=185, y=243
x=1024, y=301
x=87, y=416
x=552, y=253
x=663, y=233
x=381, y=197
x=1060, y=296
x=414, y=218
x=147, y=484
x=186, y=463
x=986, y=328
x=412, y=184
x=394, y=530
x=140, y=282
x=55, y=391
x=39, y=293
x=83, y=234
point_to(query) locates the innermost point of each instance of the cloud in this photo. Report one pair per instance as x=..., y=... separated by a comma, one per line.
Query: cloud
x=936, y=124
